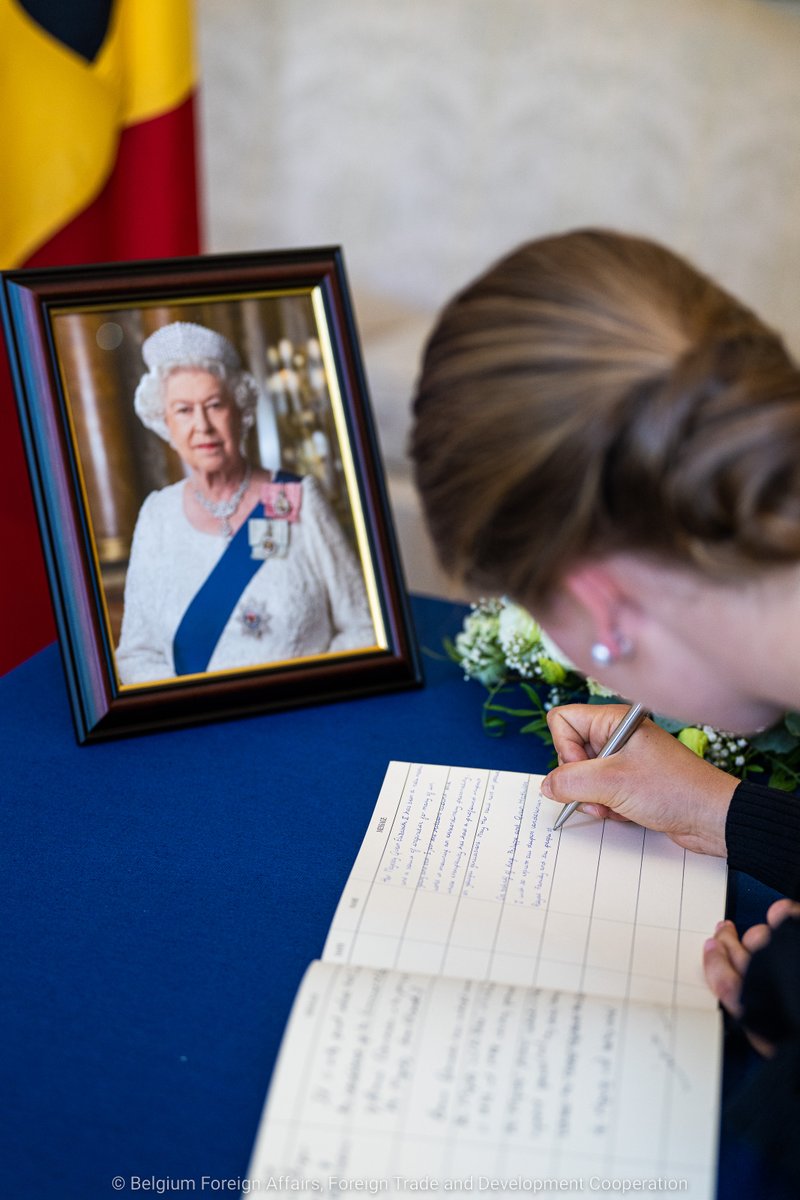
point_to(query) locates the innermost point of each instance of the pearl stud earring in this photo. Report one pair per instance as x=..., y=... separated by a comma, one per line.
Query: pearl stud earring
x=604, y=655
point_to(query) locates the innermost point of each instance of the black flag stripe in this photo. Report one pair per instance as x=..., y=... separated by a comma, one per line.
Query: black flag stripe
x=81, y=25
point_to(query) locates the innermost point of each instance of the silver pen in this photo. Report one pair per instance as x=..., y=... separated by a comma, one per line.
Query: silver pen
x=627, y=726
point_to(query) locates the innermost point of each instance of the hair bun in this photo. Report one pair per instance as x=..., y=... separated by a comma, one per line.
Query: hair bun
x=593, y=393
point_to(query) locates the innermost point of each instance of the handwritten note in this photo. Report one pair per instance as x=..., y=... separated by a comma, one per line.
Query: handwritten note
x=461, y=874
x=500, y=1002
x=395, y=1076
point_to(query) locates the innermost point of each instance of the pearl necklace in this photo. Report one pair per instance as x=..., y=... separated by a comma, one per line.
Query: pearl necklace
x=223, y=510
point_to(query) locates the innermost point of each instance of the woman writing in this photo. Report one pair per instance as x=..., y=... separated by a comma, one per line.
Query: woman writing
x=607, y=436
x=234, y=566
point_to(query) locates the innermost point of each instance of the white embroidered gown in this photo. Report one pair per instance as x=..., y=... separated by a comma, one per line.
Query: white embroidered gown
x=309, y=602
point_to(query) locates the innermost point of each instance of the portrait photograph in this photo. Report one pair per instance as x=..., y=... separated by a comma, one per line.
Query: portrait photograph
x=221, y=508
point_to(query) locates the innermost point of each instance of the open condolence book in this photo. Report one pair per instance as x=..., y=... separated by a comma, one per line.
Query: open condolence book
x=500, y=1007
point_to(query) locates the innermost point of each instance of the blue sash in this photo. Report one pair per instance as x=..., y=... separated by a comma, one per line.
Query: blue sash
x=210, y=609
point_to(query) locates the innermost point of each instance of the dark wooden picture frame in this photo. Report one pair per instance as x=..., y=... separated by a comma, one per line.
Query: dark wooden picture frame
x=74, y=337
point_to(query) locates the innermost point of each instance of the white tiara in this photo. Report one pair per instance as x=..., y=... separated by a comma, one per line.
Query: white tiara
x=183, y=341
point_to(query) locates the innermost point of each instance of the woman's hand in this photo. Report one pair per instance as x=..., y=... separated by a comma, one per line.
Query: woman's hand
x=653, y=780
x=726, y=958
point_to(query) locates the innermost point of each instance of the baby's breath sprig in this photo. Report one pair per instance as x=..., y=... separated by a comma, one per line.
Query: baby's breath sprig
x=525, y=675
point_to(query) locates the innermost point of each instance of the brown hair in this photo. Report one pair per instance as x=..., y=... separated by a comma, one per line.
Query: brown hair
x=592, y=393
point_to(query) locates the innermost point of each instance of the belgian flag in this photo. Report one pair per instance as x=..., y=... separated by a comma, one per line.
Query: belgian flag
x=98, y=165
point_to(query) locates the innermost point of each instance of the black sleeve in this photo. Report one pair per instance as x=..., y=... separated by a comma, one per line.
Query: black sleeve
x=762, y=835
x=766, y=1112
x=771, y=988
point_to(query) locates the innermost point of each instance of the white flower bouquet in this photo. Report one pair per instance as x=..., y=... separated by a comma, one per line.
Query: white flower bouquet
x=502, y=647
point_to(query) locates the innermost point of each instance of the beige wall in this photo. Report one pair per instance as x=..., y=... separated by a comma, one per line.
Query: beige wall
x=429, y=136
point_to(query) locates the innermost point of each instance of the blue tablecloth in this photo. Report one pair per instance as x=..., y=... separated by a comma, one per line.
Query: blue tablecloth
x=163, y=897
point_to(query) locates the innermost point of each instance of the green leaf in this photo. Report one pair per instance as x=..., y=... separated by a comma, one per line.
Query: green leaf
x=509, y=712
x=792, y=723
x=780, y=780
x=668, y=723
x=450, y=650
x=775, y=741
x=538, y=726
x=493, y=726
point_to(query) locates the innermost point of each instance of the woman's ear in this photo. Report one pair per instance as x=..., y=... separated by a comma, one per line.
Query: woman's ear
x=598, y=590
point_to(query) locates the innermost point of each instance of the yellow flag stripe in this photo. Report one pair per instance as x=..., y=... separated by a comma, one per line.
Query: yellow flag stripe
x=63, y=116
x=149, y=56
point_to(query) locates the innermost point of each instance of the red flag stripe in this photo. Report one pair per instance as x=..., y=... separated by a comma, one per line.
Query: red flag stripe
x=147, y=209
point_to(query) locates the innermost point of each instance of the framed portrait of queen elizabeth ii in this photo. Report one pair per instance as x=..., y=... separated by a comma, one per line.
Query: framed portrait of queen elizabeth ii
x=208, y=486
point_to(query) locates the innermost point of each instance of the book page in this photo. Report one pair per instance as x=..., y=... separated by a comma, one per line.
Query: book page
x=460, y=873
x=396, y=1082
